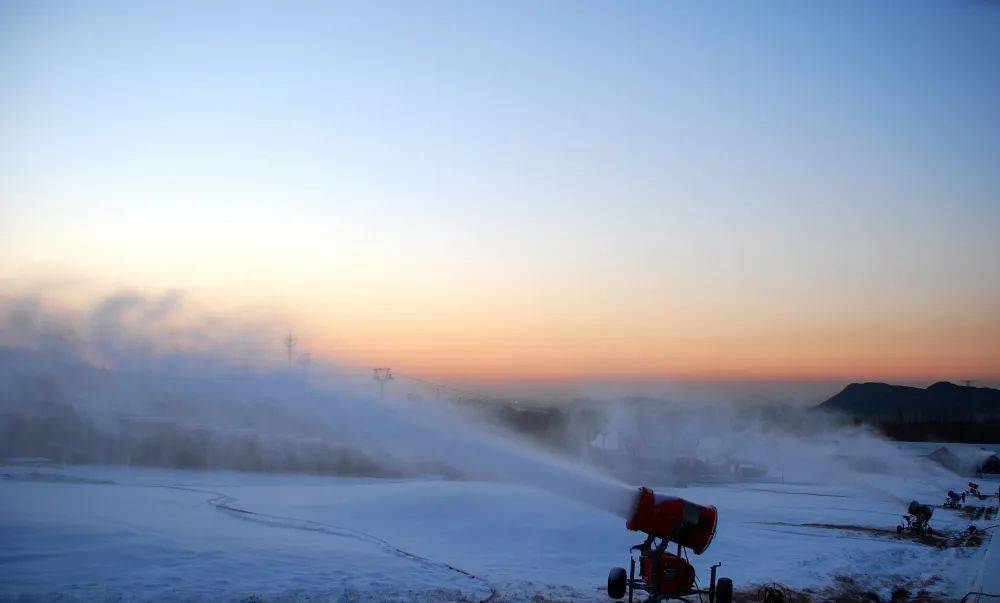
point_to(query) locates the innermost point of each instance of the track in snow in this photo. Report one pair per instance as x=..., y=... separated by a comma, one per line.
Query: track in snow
x=225, y=503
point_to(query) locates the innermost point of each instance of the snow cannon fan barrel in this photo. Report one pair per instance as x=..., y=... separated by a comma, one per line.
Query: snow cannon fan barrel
x=675, y=519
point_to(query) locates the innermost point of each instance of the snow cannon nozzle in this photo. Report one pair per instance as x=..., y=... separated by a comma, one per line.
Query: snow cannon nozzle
x=674, y=519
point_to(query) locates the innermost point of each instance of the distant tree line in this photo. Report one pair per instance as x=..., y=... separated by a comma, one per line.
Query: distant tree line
x=920, y=428
x=943, y=412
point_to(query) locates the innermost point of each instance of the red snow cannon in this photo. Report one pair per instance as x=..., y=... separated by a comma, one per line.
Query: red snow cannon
x=674, y=519
x=668, y=575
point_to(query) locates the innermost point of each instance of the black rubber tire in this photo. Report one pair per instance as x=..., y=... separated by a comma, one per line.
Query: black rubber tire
x=617, y=582
x=899, y=529
x=724, y=590
x=930, y=531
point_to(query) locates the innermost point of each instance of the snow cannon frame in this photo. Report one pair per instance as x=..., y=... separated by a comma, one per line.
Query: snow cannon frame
x=954, y=500
x=917, y=520
x=663, y=575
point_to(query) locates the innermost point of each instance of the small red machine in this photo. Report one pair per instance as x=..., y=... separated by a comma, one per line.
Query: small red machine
x=663, y=575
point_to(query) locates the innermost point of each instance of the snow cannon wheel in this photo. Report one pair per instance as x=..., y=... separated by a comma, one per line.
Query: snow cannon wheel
x=724, y=590
x=617, y=582
x=899, y=529
x=930, y=531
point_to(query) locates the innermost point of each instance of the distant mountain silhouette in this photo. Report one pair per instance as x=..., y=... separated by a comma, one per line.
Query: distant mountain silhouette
x=942, y=401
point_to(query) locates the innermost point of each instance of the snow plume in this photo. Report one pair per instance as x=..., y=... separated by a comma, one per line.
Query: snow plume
x=153, y=381
x=681, y=442
x=146, y=380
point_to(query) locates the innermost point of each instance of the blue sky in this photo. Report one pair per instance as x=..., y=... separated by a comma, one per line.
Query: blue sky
x=549, y=176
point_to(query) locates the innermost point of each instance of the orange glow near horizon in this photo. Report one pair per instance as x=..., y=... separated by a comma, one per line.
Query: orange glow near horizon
x=493, y=361
x=477, y=332
x=470, y=334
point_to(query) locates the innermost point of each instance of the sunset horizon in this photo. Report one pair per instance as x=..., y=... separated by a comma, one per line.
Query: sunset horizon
x=497, y=358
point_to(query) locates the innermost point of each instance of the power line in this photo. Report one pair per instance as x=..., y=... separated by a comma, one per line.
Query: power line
x=440, y=386
x=460, y=392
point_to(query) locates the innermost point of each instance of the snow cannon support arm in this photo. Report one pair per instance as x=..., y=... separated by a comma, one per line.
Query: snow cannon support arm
x=673, y=519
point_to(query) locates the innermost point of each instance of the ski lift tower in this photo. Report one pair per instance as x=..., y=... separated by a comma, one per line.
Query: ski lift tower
x=381, y=375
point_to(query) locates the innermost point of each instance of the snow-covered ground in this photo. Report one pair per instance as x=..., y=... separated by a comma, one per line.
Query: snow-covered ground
x=110, y=533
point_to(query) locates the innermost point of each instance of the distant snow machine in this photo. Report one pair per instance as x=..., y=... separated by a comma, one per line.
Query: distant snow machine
x=980, y=512
x=664, y=575
x=917, y=520
x=955, y=500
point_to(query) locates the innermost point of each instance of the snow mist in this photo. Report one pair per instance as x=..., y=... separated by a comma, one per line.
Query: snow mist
x=134, y=381
x=137, y=380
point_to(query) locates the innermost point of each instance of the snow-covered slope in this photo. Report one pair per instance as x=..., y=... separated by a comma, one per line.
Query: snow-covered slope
x=96, y=533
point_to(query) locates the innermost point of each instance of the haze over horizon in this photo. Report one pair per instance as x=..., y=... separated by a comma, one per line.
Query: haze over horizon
x=558, y=192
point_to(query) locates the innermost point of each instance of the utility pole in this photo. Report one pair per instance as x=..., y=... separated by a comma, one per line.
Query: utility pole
x=381, y=375
x=290, y=345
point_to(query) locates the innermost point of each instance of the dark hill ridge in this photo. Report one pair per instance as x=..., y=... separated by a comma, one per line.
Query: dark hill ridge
x=942, y=401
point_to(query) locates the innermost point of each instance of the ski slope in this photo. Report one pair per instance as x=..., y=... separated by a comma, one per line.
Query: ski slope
x=109, y=533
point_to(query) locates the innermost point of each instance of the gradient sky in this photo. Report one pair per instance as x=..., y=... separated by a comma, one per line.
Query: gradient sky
x=514, y=190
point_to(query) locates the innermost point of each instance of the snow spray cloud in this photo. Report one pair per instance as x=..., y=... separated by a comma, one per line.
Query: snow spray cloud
x=149, y=381
x=681, y=442
x=144, y=380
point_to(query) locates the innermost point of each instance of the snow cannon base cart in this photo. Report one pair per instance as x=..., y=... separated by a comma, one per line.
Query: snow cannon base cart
x=917, y=520
x=664, y=575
